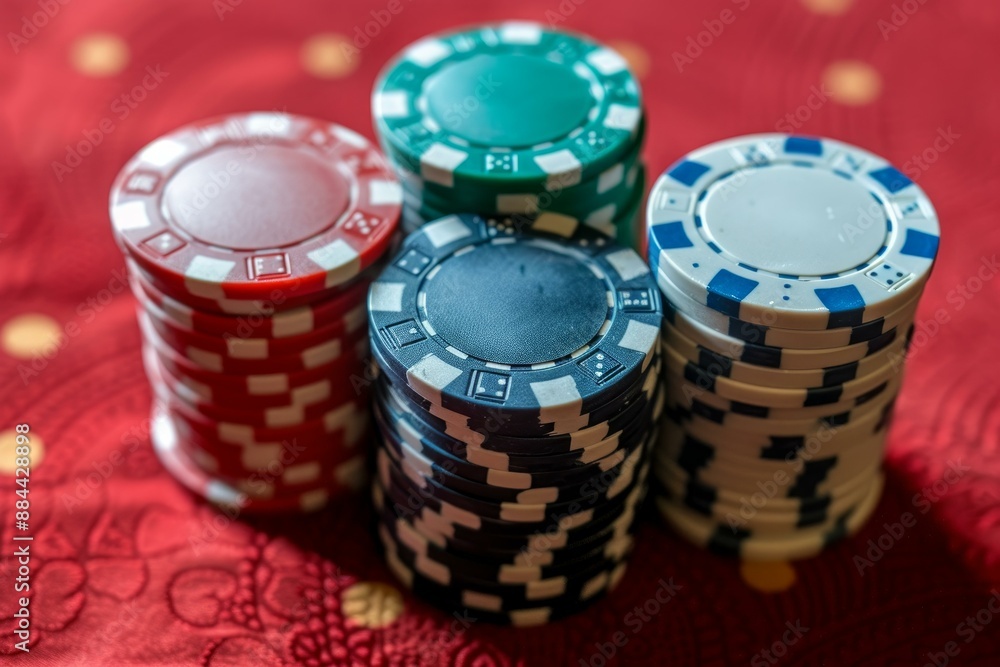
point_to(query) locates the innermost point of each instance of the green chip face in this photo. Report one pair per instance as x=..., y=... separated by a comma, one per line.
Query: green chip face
x=514, y=104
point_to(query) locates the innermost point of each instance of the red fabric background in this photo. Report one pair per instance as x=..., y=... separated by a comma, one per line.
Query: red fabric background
x=137, y=572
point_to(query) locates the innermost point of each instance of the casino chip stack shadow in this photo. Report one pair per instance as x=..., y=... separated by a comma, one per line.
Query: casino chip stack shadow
x=517, y=399
x=791, y=269
x=514, y=119
x=251, y=241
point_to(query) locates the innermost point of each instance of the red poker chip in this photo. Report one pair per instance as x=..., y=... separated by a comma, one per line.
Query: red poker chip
x=270, y=388
x=277, y=300
x=330, y=351
x=284, y=416
x=237, y=347
x=346, y=310
x=238, y=206
x=195, y=393
x=351, y=422
x=250, y=497
x=295, y=461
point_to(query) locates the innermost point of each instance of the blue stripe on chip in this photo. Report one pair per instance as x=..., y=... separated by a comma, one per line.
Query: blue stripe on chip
x=891, y=178
x=846, y=305
x=726, y=290
x=920, y=244
x=804, y=145
x=688, y=172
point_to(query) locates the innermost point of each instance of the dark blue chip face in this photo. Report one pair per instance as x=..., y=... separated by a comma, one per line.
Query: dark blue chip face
x=540, y=305
x=545, y=321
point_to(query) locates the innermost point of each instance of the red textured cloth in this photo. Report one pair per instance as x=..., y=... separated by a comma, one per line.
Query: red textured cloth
x=128, y=569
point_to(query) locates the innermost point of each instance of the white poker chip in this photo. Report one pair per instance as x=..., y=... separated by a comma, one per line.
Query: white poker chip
x=803, y=233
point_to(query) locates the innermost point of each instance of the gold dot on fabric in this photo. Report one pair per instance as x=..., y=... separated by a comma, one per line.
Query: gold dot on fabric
x=330, y=56
x=9, y=454
x=770, y=577
x=30, y=336
x=371, y=604
x=852, y=82
x=99, y=55
x=636, y=55
x=828, y=7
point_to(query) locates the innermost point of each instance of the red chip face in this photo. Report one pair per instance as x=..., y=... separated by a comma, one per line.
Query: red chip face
x=238, y=206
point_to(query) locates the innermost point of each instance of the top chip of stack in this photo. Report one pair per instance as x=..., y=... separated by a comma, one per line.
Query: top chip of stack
x=241, y=206
x=251, y=240
x=513, y=119
x=791, y=268
x=517, y=398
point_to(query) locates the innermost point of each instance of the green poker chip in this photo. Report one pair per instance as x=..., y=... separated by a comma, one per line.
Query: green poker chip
x=610, y=191
x=622, y=227
x=514, y=106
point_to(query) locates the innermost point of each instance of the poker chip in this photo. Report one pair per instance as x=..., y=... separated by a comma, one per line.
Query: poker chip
x=514, y=119
x=498, y=426
x=701, y=380
x=719, y=365
x=234, y=347
x=829, y=235
x=343, y=312
x=746, y=544
x=193, y=392
x=791, y=269
x=604, y=194
x=516, y=423
x=427, y=312
x=421, y=437
x=251, y=241
x=687, y=394
x=776, y=337
x=189, y=208
x=263, y=494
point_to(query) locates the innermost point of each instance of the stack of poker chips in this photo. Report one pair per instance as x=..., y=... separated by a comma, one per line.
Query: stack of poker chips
x=512, y=120
x=251, y=241
x=517, y=398
x=791, y=268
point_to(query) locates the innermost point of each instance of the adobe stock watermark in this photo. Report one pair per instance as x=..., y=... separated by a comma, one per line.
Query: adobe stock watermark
x=87, y=312
x=922, y=501
x=925, y=330
x=779, y=648
x=33, y=24
x=802, y=114
x=562, y=12
x=767, y=489
x=459, y=112
x=219, y=180
x=921, y=162
x=635, y=620
x=84, y=485
x=914, y=168
x=364, y=33
x=461, y=622
x=223, y=7
x=259, y=483
x=900, y=15
x=121, y=108
x=696, y=44
x=967, y=630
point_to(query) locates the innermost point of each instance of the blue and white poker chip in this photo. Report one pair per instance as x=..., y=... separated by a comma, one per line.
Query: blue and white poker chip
x=804, y=233
x=763, y=334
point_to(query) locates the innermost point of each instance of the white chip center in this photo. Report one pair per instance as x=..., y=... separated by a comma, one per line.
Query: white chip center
x=794, y=220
